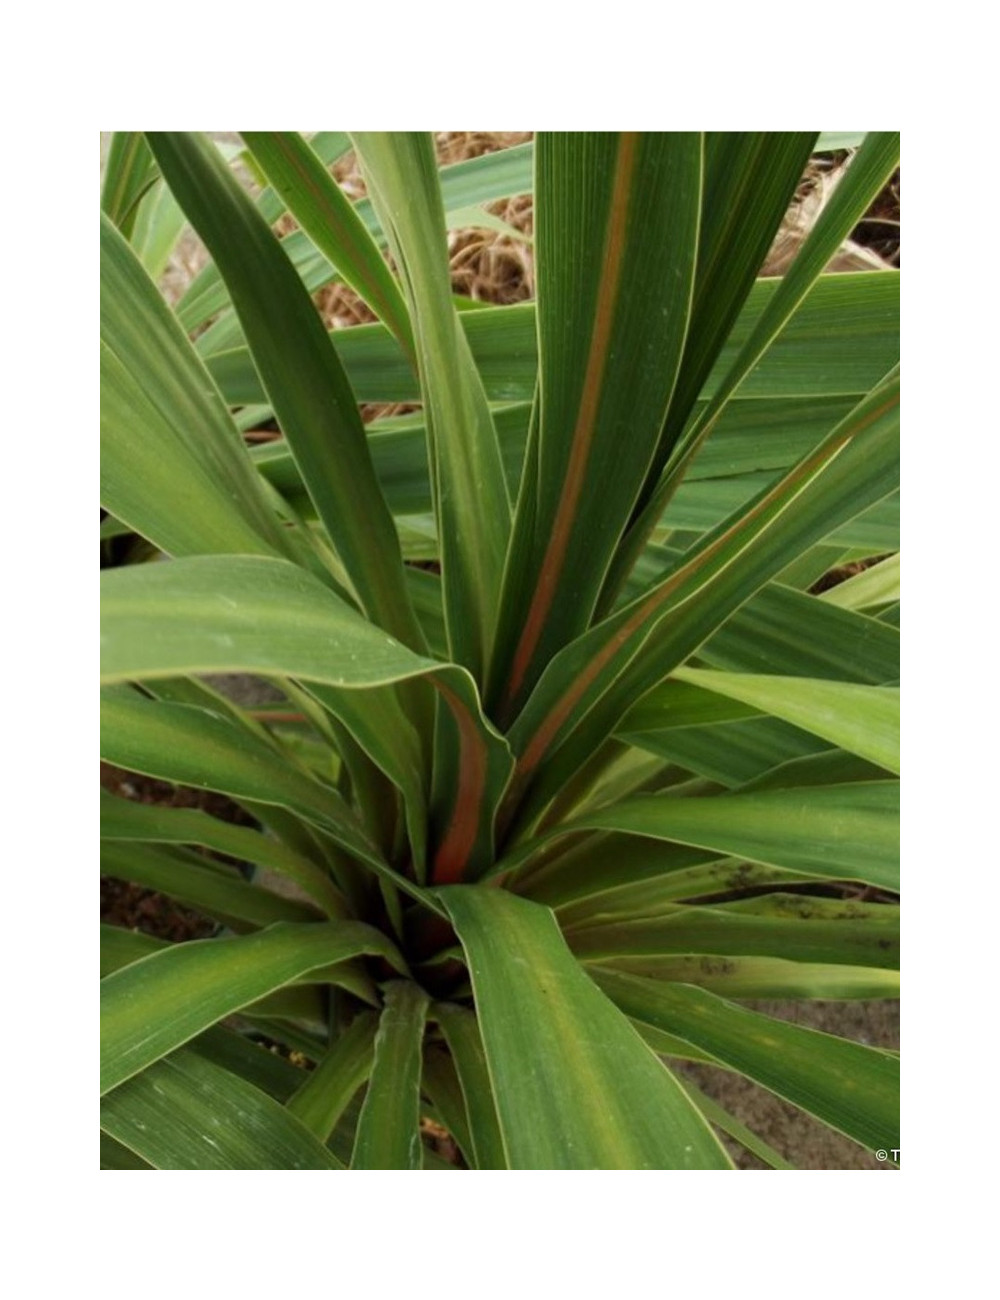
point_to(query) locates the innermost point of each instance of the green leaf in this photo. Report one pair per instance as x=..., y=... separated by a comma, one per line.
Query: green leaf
x=792, y=927
x=469, y=489
x=192, y=746
x=850, y=1087
x=162, y=1001
x=865, y=177
x=792, y=634
x=750, y=179
x=173, y=466
x=328, y=217
x=461, y=1032
x=617, y=246
x=245, y=615
x=197, y=882
x=839, y=342
x=590, y=684
x=733, y=1127
x=575, y=1086
x=120, y=947
x=475, y=180
x=125, y=819
x=841, y=832
x=305, y=383
x=861, y=719
x=868, y=590
x=116, y=1156
x=159, y=224
x=322, y=1099
x=440, y=1085
x=186, y=1113
x=388, y=1135
x=129, y=173
x=767, y=977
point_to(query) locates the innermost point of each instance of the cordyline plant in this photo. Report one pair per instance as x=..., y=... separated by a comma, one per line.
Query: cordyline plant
x=568, y=762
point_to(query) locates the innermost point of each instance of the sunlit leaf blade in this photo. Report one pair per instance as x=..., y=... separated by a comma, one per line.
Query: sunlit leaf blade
x=848, y=832
x=186, y=1113
x=470, y=492
x=172, y=463
x=159, y=223
x=831, y=141
x=126, y=819
x=617, y=246
x=861, y=719
x=849, y=1086
x=388, y=1135
x=328, y=217
x=305, y=383
x=589, y=686
x=162, y=1001
x=575, y=1087
x=870, y=590
x=323, y=1097
x=461, y=1032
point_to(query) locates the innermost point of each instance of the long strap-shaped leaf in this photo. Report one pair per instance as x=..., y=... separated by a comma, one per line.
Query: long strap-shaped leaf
x=617, y=247
x=838, y=343
x=162, y=1001
x=192, y=746
x=461, y=1032
x=842, y=832
x=589, y=685
x=173, y=465
x=324, y=1096
x=767, y=977
x=267, y=616
x=476, y=180
x=574, y=1085
x=186, y=1113
x=195, y=881
x=388, y=1135
x=791, y=926
x=470, y=491
x=125, y=819
x=304, y=380
x=865, y=177
x=129, y=173
x=861, y=719
x=331, y=221
x=851, y=1087
x=750, y=179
